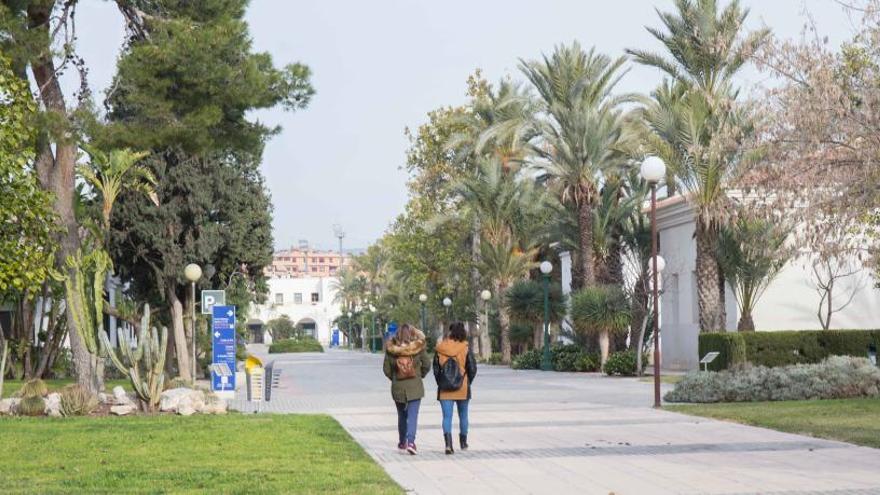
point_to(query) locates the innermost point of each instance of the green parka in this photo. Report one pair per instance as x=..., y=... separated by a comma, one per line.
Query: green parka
x=411, y=388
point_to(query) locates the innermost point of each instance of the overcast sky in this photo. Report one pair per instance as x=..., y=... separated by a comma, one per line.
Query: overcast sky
x=380, y=66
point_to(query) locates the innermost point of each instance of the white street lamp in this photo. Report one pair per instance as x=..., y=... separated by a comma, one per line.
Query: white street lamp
x=485, y=295
x=193, y=273
x=546, y=267
x=661, y=264
x=653, y=170
x=423, y=297
x=447, y=302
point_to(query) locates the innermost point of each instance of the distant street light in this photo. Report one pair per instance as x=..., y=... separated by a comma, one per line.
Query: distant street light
x=485, y=295
x=546, y=361
x=653, y=170
x=423, y=298
x=193, y=273
x=448, y=304
x=373, y=330
x=350, y=332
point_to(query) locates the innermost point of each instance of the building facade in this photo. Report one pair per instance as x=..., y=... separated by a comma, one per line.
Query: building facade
x=790, y=302
x=305, y=262
x=309, y=302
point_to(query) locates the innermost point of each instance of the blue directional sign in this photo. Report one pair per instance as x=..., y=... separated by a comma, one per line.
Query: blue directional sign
x=223, y=350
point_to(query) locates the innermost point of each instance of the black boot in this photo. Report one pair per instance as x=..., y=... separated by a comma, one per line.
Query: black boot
x=447, y=437
x=462, y=439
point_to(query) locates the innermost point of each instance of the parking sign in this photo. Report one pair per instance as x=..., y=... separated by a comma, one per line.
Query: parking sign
x=211, y=298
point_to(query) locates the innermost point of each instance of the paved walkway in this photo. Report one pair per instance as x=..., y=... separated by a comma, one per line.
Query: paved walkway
x=561, y=433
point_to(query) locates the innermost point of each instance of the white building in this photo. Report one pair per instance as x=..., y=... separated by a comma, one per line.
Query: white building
x=790, y=302
x=308, y=302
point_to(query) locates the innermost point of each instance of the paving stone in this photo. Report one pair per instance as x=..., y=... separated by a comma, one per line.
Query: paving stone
x=535, y=432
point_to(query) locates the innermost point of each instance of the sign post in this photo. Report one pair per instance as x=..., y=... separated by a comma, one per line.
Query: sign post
x=223, y=351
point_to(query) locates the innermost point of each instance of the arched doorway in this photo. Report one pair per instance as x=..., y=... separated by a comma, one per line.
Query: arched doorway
x=307, y=327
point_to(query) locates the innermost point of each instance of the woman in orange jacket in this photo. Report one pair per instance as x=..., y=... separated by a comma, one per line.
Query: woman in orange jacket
x=454, y=370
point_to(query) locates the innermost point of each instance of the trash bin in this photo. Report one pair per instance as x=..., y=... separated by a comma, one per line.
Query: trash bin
x=255, y=379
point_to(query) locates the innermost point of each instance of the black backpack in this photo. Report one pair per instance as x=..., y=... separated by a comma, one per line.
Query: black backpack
x=450, y=377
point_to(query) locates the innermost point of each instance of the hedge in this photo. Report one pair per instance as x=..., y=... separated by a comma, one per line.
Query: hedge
x=785, y=347
x=303, y=344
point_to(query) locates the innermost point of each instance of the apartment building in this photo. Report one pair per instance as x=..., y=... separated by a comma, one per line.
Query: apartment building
x=305, y=262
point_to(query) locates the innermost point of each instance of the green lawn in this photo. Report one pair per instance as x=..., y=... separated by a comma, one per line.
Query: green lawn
x=850, y=420
x=198, y=454
x=12, y=386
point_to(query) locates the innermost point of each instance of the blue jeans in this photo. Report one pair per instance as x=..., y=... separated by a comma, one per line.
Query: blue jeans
x=407, y=420
x=462, y=405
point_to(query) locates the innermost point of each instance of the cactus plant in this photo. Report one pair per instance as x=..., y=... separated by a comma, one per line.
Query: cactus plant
x=33, y=405
x=87, y=304
x=77, y=400
x=33, y=388
x=143, y=363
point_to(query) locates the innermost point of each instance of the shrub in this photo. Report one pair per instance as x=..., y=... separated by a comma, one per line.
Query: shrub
x=529, y=360
x=587, y=363
x=33, y=388
x=304, y=344
x=786, y=347
x=570, y=357
x=837, y=377
x=495, y=358
x=621, y=363
x=33, y=405
x=76, y=400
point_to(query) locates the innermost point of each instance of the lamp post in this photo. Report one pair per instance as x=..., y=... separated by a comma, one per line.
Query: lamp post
x=373, y=330
x=653, y=170
x=448, y=304
x=485, y=295
x=350, y=333
x=423, y=298
x=193, y=273
x=546, y=362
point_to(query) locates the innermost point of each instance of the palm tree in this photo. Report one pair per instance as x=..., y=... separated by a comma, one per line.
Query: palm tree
x=601, y=310
x=751, y=252
x=111, y=173
x=706, y=45
x=507, y=207
x=504, y=263
x=582, y=132
x=699, y=123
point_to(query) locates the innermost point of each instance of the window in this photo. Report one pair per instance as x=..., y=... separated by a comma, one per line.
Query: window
x=298, y=298
x=314, y=268
x=320, y=260
x=316, y=297
x=279, y=298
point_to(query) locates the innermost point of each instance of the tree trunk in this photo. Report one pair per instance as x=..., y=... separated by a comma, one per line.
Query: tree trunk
x=56, y=172
x=585, y=228
x=184, y=368
x=504, y=323
x=722, y=297
x=746, y=323
x=708, y=297
x=604, y=340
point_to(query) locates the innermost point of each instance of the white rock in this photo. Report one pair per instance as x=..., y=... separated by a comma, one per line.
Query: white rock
x=8, y=406
x=122, y=410
x=103, y=398
x=181, y=398
x=121, y=396
x=213, y=405
x=53, y=405
x=186, y=410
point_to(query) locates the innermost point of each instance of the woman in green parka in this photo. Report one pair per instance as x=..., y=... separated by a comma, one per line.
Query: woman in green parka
x=406, y=363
